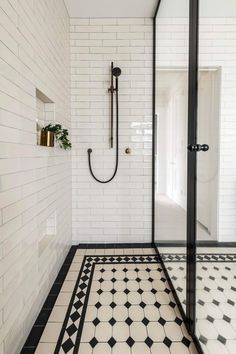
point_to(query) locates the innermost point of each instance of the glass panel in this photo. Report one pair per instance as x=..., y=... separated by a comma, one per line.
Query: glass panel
x=172, y=32
x=216, y=178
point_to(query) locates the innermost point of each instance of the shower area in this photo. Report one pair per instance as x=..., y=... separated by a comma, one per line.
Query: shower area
x=117, y=177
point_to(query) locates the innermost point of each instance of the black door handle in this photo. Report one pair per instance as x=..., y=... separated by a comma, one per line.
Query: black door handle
x=198, y=147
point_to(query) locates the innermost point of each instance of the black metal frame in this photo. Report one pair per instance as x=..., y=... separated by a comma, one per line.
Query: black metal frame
x=192, y=165
x=190, y=317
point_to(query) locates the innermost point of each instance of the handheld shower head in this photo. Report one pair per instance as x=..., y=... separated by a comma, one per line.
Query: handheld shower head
x=116, y=72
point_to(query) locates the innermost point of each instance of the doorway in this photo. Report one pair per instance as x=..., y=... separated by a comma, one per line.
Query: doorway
x=171, y=158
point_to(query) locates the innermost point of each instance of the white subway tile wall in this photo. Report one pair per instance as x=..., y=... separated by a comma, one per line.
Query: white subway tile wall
x=35, y=181
x=119, y=211
x=217, y=48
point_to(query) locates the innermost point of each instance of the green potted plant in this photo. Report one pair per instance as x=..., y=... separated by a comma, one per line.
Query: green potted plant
x=52, y=131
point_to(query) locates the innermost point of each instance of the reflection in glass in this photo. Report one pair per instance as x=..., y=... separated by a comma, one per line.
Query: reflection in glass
x=172, y=25
x=216, y=178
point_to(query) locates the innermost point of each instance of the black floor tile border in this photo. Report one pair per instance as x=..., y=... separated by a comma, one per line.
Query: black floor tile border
x=82, y=289
x=44, y=314
x=41, y=321
x=113, y=245
x=200, y=257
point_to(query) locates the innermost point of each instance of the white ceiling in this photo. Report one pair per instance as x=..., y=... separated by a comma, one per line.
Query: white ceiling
x=111, y=8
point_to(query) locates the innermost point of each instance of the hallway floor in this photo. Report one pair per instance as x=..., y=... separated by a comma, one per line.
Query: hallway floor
x=113, y=301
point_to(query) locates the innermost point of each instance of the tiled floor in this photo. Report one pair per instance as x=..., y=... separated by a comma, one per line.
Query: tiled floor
x=216, y=296
x=115, y=301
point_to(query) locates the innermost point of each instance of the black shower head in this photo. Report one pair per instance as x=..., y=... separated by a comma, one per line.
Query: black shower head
x=116, y=72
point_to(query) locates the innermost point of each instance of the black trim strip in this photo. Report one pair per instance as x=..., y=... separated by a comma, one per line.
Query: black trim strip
x=214, y=244
x=41, y=321
x=113, y=245
x=192, y=166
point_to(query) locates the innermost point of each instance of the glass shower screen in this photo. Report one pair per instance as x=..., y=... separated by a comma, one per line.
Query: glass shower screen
x=172, y=33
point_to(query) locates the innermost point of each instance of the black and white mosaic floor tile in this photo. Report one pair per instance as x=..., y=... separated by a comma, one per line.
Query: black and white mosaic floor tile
x=216, y=298
x=122, y=304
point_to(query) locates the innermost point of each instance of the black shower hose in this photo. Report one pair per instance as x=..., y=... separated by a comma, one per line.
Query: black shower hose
x=117, y=147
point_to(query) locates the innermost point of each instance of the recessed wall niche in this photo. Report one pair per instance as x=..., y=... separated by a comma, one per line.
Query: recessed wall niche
x=45, y=108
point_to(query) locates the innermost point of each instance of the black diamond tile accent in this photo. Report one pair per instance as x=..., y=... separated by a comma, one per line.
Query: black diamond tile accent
x=113, y=280
x=113, y=270
x=200, y=302
x=80, y=295
x=186, y=342
x=126, y=279
x=167, y=291
x=203, y=339
x=130, y=342
x=101, y=280
x=128, y=321
x=85, y=278
x=67, y=345
x=112, y=305
x=154, y=291
x=210, y=319
x=162, y=321
x=75, y=316
x=140, y=291
x=99, y=291
x=178, y=321
x=167, y=342
x=98, y=305
x=136, y=270
x=148, y=270
x=102, y=270
x=127, y=291
x=125, y=270
x=145, y=321
x=215, y=302
x=78, y=304
x=172, y=304
x=150, y=279
x=93, y=342
x=226, y=318
x=112, y=342
x=138, y=279
x=112, y=321
x=142, y=304
x=127, y=304
x=221, y=339
x=163, y=280
x=230, y=302
x=149, y=342
x=83, y=286
x=113, y=291
x=157, y=304
x=96, y=321
x=179, y=289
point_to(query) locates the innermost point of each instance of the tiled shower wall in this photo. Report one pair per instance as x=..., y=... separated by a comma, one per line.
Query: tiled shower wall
x=35, y=181
x=119, y=211
x=217, y=48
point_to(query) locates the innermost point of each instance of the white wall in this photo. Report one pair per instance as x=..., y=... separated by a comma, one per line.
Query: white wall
x=34, y=180
x=217, y=48
x=121, y=210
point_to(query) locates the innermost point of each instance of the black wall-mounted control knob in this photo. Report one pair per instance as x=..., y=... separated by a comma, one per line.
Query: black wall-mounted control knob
x=198, y=147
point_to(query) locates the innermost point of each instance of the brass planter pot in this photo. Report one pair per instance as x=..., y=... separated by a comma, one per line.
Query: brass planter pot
x=47, y=138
